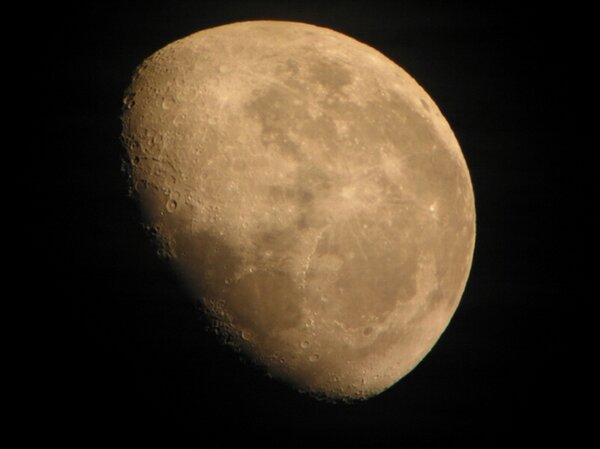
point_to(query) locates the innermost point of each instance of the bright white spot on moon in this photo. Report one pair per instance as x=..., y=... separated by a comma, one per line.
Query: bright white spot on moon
x=310, y=193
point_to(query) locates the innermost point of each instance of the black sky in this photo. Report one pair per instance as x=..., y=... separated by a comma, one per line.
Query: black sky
x=132, y=353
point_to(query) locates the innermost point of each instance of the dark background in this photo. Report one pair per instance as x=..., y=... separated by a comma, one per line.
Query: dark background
x=133, y=355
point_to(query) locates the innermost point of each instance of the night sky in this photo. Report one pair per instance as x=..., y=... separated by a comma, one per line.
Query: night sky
x=133, y=355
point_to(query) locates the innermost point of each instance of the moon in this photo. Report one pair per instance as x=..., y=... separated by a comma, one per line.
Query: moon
x=311, y=195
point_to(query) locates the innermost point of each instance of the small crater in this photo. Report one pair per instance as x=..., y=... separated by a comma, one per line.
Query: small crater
x=167, y=103
x=179, y=119
x=128, y=101
x=304, y=344
x=171, y=206
x=141, y=185
x=163, y=253
x=313, y=358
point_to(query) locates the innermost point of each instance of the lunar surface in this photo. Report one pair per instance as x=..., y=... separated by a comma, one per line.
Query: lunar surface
x=311, y=195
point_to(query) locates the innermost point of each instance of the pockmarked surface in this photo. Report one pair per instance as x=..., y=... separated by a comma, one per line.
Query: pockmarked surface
x=310, y=193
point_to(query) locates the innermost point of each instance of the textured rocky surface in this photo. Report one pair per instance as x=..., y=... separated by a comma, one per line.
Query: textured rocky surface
x=311, y=194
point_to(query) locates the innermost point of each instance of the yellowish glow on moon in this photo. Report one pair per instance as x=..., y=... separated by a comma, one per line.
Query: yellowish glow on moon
x=311, y=194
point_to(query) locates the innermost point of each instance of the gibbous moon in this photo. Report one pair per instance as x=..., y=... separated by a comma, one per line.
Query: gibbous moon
x=311, y=195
